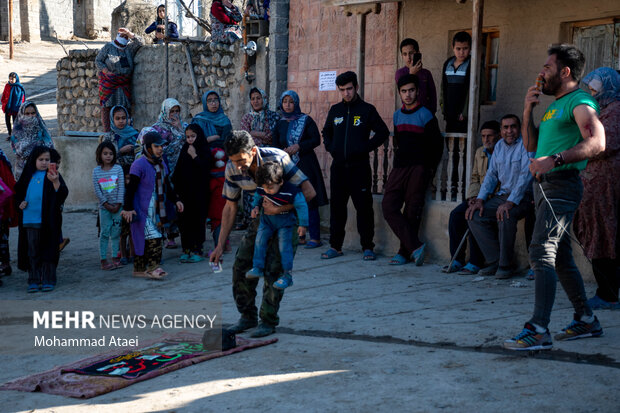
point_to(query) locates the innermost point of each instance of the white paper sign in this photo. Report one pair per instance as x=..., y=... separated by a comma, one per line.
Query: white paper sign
x=327, y=81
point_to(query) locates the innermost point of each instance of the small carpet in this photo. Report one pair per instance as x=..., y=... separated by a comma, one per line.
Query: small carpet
x=115, y=370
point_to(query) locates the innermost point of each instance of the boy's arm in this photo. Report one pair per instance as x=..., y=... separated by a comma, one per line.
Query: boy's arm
x=378, y=126
x=302, y=209
x=257, y=200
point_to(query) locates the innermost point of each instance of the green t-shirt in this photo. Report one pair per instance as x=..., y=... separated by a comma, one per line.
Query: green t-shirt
x=558, y=129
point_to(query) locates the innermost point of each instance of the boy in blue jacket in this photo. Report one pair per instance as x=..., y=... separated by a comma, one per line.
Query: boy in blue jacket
x=271, y=186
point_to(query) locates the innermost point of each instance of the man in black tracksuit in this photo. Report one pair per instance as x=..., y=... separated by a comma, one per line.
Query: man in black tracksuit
x=346, y=136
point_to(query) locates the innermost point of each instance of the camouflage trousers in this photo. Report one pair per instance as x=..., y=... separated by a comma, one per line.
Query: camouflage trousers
x=244, y=290
x=151, y=258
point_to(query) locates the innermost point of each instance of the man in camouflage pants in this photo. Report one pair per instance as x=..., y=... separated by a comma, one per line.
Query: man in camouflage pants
x=244, y=158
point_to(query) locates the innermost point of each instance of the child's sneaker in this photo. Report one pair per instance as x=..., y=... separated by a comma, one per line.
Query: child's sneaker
x=184, y=258
x=254, y=273
x=195, y=258
x=578, y=329
x=286, y=280
x=529, y=339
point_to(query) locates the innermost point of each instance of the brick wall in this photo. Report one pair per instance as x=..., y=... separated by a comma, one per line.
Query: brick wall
x=323, y=38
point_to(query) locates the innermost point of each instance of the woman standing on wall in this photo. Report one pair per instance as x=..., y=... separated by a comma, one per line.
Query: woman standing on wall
x=115, y=64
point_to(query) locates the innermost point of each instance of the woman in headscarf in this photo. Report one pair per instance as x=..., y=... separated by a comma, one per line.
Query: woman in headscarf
x=172, y=129
x=170, y=126
x=297, y=134
x=115, y=64
x=123, y=136
x=191, y=183
x=597, y=218
x=12, y=98
x=159, y=26
x=260, y=123
x=216, y=127
x=225, y=18
x=8, y=215
x=29, y=131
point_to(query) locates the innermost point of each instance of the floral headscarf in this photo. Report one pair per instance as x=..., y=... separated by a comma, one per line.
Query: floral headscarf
x=606, y=82
x=172, y=130
x=264, y=115
x=297, y=122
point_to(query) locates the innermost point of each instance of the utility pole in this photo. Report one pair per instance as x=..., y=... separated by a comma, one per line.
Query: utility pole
x=166, y=40
x=10, y=29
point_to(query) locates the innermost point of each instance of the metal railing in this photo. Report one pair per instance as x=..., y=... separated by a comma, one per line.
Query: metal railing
x=449, y=181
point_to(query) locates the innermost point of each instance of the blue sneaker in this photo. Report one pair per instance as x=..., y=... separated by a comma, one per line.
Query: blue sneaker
x=578, y=329
x=418, y=255
x=33, y=288
x=597, y=303
x=286, y=280
x=529, y=339
x=195, y=258
x=254, y=273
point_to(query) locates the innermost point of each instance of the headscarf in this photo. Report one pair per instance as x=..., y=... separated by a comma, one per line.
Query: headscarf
x=606, y=82
x=29, y=131
x=210, y=120
x=120, y=42
x=185, y=166
x=157, y=19
x=16, y=96
x=128, y=133
x=172, y=132
x=296, y=122
x=259, y=118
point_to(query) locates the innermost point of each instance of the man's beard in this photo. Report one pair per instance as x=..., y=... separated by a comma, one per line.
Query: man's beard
x=553, y=85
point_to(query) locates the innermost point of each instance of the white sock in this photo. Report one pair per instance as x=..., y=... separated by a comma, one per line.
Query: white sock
x=539, y=329
x=587, y=318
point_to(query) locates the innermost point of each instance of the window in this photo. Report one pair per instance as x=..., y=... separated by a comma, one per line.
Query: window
x=599, y=40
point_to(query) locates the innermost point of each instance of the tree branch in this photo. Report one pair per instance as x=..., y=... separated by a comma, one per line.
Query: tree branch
x=201, y=22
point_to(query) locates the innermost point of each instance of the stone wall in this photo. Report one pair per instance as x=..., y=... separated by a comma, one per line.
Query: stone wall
x=56, y=16
x=4, y=20
x=216, y=67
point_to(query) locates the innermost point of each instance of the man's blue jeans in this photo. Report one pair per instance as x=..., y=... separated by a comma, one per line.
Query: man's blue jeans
x=283, y=225
x=550, y=250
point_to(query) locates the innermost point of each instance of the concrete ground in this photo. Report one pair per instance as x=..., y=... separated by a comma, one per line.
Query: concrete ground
x=354, y=336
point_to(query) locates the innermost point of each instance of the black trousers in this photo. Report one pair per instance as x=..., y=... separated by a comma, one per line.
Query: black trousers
x=351, y=181
x=41, y=271
x=7, y=118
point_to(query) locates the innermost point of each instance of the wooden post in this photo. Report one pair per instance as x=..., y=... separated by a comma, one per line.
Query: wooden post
x=474, y=86
x=361, y=10
x=361, y=52
x=10, y=29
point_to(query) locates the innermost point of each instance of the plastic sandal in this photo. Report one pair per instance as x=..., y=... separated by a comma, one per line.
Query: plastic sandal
x=369, y=255
x=418, y=255
x=194, y=258
x=456, y=266
x=398, y=260
x=33, y=288
x=469, y=269
x=331, y=253
x=313, y=244
x=47, y=288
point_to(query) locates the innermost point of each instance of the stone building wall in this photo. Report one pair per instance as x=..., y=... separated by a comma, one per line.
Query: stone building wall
x=4, y=20
x=56, y=16
x=216, y=67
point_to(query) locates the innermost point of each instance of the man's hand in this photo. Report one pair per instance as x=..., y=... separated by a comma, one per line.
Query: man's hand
x=255, y=212
x=503, y=209
x=180, y=206
x=461, y=117
x=477, y=205
x=128, y=215
x=531, y=98
x=126, y=32
x=471, y=200
x=415, y=68
x=159, y=35
x=23, y=205
x=301, y=231
x=541, y=166
x=216, y=254
x=269, y=208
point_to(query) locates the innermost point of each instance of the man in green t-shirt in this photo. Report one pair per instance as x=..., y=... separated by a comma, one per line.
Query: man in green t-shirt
x=569, y=134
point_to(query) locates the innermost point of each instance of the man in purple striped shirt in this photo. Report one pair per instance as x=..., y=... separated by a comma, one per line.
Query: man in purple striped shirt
x=412, y=58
